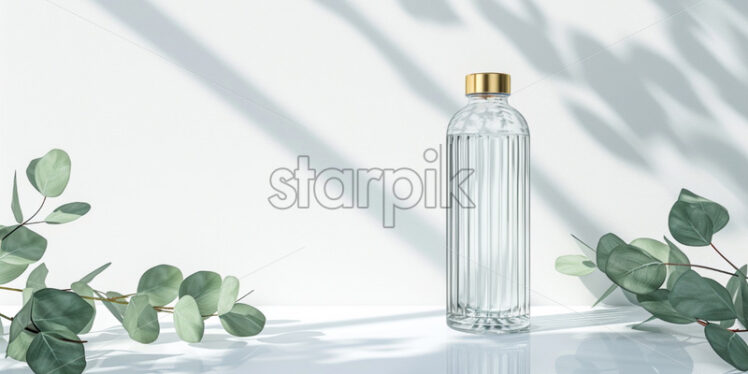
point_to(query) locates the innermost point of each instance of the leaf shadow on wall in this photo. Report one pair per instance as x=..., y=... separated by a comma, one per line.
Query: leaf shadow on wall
x=637, y=87
x=177, y=45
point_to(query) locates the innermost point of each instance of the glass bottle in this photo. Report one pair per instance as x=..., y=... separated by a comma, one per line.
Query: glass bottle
x=488, y=216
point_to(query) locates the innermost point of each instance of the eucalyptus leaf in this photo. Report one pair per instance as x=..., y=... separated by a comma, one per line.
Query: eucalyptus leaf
x=141, y=320
x=605, y=246
x=90, y=276
x=741, y=299
x=27, y=294
x=31, y=172
x=229, y=293
x=117, y=309
x=243, y=320
x=9, y=272
x=15, y=205
x=21, y=320
x=716, y=213
x=52, y=173
x=631, y=297
x=658, y=304
x=55, y=310
x=205, y=288
x=37, y=278
x=22, y=246
x=635, y=270
x=605, y=294
x=54, y=352
x=68, y=213
x=84, y=290
x=187, y=320
x=699, y=297
x=734, y=282
x=18, y=347
x=690, y=225
x=161, y=284
x=728, y=345
x=676, y=256
x=577, y=265
x=727, y=323
x=655, y=248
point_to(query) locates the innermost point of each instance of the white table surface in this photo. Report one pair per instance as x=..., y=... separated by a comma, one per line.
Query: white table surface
x=407, y=340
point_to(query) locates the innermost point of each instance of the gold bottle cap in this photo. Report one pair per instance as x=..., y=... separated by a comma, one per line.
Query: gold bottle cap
x=478, y=83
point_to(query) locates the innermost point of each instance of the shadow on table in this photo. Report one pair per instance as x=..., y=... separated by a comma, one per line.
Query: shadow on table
x=292, y=347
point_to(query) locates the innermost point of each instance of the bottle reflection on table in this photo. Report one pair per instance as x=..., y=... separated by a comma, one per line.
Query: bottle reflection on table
x=503, y=354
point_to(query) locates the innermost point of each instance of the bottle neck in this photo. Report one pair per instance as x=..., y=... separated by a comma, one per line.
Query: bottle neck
x=494, y=98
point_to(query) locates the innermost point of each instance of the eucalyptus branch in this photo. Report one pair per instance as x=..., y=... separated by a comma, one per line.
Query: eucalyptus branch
x=702, y=267
x=725, y=258
x=74, y=308
x=27, y=220
x=677, y=297
x=11, y=289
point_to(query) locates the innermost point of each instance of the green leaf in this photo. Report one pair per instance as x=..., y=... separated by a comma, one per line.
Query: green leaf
x=659, y=305
x=68, y=213
x=37, y=278
x=699, y=297
x=9, y=272
x=690, y=225
x=243, y=320
x=83, y=289
x=90, y=276
x=57, y=310
x=577, y=265
x=228, y=295
x=727, y=323
x=676, y=257
x=15, y=206
x=141, y=320
x=733, y=284
x=205, y=288
x=161, y=284
x=51, y=173
x=187, y=320
x=52, y=353
x=21, y=320
x=727, y=345
x=605, y=294
x=18, y=347
x=716, y=213
x=669, y=253
x=31, y=172
x=655, y=248
x=22, y=247
x=635, y=270
x=26, y=294
x=605, y=246
x=741, y=296
x=117, y=309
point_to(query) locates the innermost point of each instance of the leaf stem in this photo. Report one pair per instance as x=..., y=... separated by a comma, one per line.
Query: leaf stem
x=6, y=317
x=27, y=220
x=704, y=323
x=702, y=267
x=11, y=289
x=725, y=258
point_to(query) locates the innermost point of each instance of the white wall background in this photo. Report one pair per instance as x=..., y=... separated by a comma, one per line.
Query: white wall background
x=176, y=112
